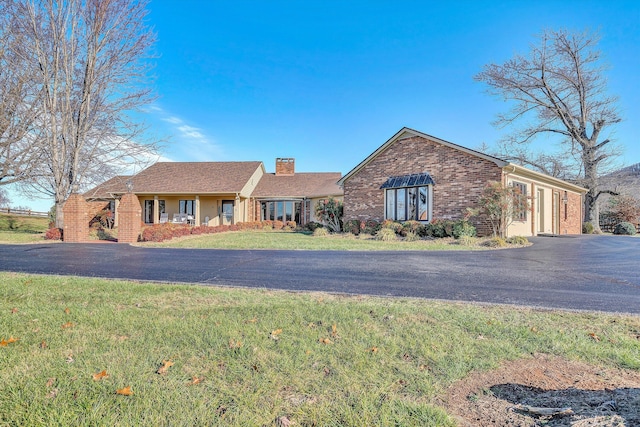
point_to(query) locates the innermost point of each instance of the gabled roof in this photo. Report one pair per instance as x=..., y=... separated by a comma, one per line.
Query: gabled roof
x=406, y=132
x=298, y=185
x=194, y=177
x=106, y=190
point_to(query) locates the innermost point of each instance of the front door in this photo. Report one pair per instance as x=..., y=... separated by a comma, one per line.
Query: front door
x=227, y=212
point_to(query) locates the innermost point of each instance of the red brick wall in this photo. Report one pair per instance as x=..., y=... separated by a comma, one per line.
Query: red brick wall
x=285, y=166
x=573, y=223
x=130, y=219
x=76, y=219
x=459, y=179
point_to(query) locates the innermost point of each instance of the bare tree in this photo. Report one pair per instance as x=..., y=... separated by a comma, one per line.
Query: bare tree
x=18, y=101
x=4, y=198
x=92, y=60
x=560, y=89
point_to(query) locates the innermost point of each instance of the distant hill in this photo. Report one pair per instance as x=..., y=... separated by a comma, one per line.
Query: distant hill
x=625, y=180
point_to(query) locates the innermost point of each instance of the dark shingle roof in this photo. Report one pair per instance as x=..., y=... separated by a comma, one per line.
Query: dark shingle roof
x=106, y=190
x=194, y=177
x=299, y=185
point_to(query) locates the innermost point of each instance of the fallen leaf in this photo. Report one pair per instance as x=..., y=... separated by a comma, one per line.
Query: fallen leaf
x=5, y=343
x=195, y=380
x=373, y=350
x=126, y=391
x=534, y=329
x=166, y=364
x=67, y=311
x=234, y=344
x=53, y=393
x=100, y=375
x=594, y=336
x=14, y=310
x=423, y=367
x=325, y=341
x=334, y=330
x=67, y=325
x=51, y=382
x=70, y=358
x=43, y=344
x=254, y=320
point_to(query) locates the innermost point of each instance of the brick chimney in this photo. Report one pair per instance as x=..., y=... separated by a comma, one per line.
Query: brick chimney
x=285, y=166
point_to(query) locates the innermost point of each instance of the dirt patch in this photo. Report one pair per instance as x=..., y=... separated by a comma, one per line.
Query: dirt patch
x=597, y=396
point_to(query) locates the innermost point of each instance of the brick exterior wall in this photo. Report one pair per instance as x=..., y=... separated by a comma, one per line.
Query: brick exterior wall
x=573, y=222
x=459, y=179
x=76, y=219
x=130, y=219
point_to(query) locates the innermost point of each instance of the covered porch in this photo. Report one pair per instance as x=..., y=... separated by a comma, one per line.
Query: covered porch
x=194, y=209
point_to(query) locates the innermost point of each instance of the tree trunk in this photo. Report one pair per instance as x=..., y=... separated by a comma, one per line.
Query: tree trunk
x=59, y=214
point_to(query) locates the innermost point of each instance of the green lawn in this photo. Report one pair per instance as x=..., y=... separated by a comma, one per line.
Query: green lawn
x=247, y=357
x=22, y=229
x=305, y=241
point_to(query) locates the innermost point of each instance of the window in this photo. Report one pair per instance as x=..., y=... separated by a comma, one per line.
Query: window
x=187, y=207
x=407, y=197
x=405, y=204
x=148, y=210
x=282, y=210
x=522, y=216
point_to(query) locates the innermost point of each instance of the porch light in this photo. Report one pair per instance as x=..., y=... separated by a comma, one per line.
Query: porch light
x=565, y=198
x=129, y=185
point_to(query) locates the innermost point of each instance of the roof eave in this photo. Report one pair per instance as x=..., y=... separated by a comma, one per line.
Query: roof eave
x=525, y=172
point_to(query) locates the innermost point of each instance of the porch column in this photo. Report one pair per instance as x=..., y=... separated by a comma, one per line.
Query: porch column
x=236, y=209
x=156, y=210
x=197, y=211
x=116, y=214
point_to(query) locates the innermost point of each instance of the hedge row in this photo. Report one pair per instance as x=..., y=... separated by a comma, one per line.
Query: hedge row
x=167, y=231
x=436, y=228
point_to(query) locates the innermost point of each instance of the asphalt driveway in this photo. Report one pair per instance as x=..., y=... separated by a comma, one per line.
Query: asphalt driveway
x=582, y=272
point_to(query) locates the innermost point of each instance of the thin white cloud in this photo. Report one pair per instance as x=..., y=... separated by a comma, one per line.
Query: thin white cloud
x=174, y=120
x=191, y=132
x=189, y=143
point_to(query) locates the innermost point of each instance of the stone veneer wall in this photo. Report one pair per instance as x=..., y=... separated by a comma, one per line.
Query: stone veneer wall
x=459, y=179
x=130, y=219
x=76, y=219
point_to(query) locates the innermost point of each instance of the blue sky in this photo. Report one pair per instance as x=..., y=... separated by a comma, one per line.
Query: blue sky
x=327, y=82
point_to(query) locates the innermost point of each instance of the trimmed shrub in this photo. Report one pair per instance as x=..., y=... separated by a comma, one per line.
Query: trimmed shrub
x=53, y=234
x=352, y=226
x=517, y=240
x=439, y=228
x=320, y=232
x=278, y=225
x=312, y=226
x=292, y=225
x=410, y=227
x=587, y=228
x=410, y=236
x=463, y=228
x=625, y=228
x=495, y=242
x=386, y=235
x=391, y=225
x=370, y=227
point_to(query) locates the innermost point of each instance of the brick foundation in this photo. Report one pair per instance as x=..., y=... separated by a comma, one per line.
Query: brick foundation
x=130, y=219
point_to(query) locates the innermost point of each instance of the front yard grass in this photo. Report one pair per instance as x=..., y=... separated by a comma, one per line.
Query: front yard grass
x=251, y=239
x=22, y=229
x=249, y=357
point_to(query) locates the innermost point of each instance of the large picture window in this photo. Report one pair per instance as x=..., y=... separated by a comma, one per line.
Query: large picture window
x=281, y=210
x=408, y=197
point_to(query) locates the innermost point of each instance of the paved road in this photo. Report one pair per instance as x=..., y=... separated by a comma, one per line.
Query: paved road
x=586, y=272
